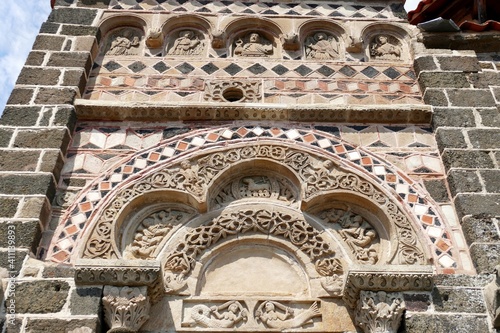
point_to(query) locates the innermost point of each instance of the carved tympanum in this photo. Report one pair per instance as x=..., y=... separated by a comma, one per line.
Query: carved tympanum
x=253, y=45
x=188, y=43
x=380, y=312
x=385, y=47
x=276, y=188
x=124, y=42
x=151, y=232
x=321, y=46
x=357, y=233
x=226, y=315
x=278, y=316
x=126, y=309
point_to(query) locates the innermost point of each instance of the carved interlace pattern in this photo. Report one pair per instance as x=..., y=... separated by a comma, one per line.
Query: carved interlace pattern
x=246, y=91
x=379, y=312
x=360, y=237
x=126, y=309
x=293, y=228
x=317, y=176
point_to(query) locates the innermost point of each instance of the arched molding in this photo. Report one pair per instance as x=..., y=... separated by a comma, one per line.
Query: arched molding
x=120, y=21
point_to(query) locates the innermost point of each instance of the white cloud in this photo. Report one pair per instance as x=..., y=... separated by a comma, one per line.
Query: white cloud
x=19, y=28
x=411, y=5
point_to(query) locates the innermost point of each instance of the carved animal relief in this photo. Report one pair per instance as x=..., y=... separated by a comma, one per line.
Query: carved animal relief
x=278, y=316
x=227, y=315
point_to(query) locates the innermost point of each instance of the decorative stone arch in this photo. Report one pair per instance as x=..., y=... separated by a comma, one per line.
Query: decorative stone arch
x=335, y=32
x=396, y=37
x=115, y=27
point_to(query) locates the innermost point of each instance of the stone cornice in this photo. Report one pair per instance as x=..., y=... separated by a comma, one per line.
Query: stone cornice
x=385, y=114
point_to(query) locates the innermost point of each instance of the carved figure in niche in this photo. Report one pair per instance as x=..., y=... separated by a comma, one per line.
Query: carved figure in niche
x=187, y=43
x=320, y=46
x=125, y=43
x=379, y=313
x=385, y=48
x=226, y=315
x=151, y=232
x=285, y=317
x=253, y=46
x=356, y=232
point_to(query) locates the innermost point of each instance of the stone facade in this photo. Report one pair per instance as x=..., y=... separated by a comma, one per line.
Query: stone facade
x=189, y=166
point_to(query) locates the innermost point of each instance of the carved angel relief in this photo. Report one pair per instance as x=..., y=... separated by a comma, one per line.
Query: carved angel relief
x=359, y=235
x=276, y=188
x=124, y=42
x=321, y=46
x=385, y=47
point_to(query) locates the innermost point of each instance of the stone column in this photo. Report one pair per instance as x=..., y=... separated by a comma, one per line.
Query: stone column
x=379, y=312
x=126, y=309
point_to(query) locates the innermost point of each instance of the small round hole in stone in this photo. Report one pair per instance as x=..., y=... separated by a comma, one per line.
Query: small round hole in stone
x=233, y=94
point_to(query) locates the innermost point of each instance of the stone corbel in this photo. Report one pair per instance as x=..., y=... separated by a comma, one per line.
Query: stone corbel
x=155, y=38
x=218, y=39
x=379, y=312
x=290, y=41
x=492, y=295
x=126, y=309
x=354, y=45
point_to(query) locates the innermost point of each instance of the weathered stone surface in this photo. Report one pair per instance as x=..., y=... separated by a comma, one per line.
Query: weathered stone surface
x=42, y=138
x=463, y=181
x=424, y=63
x=417, y=302
x=477, y=204
x=15, y=326
x=491, y=180
x=485, y=257
x=52, y=161
x=474, y=159
x=35, y=58
x=27, y=184
x=58, y=271
x=65, y=116
x=458, y=300
x=39, y=76
x=79, y=16
x=49, y=28
x=49, y=42
x=419, y=323
x=61, y=325
x=20, y=115
x=78, y=30
x=75, y=78
x=35, y=207
x=437, y=189
x=484, y=79
x=450, y=138
x=27, y=234
x=95, y=3
x=490, y=117
x=470, y=97
x=85, y=301
x=55, y=96
x=70, y=59
x=435, y=97
x=41, y=296
x=8, y=206
x=13, y=262
x=63, y=3
x=5, y=136
x=443, y=80
x=484, y=138
x=20, y=96
x=460, y=280
x=453, y=117
x=480, y=229
x=16, y=160
x=462, y=64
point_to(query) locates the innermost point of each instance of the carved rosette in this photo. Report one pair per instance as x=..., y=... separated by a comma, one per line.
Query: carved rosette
x=233, y=91
x=380, y=312
x=126, y=309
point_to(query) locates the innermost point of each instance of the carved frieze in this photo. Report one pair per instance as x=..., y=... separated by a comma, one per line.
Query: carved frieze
x=126, y=309
x=359, y=235
x=118, y=275
x=380, y=312
x=124, y=42
x=262, y=186
x=385, y=47
x=276, y=315
x=253, y=45
x=226, y=315
x=187, y=43
x=321, y=46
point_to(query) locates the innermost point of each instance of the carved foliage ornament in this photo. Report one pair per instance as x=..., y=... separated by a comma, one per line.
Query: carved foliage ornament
x=126, y=309
x=316, y=175
x=233, y=91
x=380, y=312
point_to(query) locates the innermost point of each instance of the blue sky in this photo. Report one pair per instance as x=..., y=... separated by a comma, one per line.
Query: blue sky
x=19, y=26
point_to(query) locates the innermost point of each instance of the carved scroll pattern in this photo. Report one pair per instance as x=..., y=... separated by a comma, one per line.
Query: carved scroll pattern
x=151, y=232
x=126, y=308
x=316, y=176
x=360, y=237
x=292, y=228
x=277, y=188
x=379, y=312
